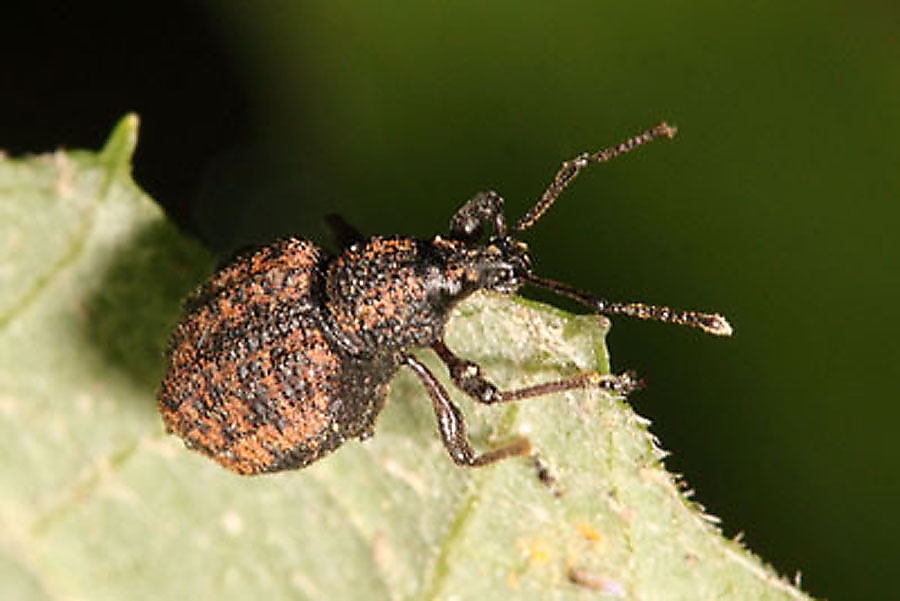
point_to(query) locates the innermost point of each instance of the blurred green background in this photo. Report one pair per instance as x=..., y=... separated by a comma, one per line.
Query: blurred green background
x=777, y=205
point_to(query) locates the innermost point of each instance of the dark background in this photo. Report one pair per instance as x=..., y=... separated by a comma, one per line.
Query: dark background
x=777, y=204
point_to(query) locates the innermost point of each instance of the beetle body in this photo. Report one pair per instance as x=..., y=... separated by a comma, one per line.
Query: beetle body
x=287, y=351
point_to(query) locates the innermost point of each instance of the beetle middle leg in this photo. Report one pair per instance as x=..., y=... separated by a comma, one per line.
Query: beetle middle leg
x=452, y=427
x=466, y=375
x=452, y=424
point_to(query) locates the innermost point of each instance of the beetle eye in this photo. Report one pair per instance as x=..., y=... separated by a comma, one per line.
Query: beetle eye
x=469, y=222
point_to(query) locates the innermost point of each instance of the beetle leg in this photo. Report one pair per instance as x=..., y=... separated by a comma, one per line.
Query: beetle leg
x=452, y=425
x=466, y=375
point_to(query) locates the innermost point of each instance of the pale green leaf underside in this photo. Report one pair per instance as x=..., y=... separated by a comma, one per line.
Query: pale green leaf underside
x=97, y=503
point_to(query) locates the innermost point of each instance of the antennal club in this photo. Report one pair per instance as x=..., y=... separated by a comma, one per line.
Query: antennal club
x=570, y=169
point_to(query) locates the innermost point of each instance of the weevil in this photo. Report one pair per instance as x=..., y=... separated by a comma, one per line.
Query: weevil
x=287, y=351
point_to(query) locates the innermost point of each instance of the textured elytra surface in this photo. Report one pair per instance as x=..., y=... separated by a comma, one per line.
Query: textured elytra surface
x=286, y=352
x=251, y=379
x=97, y=503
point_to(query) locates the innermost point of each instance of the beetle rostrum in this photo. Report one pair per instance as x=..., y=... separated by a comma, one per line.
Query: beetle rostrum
x=287, y=351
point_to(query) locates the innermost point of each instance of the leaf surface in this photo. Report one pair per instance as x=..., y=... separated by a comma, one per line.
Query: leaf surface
x=96, y=502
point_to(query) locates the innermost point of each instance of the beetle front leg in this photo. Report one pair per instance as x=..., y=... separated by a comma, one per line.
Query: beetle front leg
x=466, y=375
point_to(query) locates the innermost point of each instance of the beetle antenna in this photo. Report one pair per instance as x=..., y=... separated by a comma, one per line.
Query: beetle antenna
x=570, y=169
x=711, y=323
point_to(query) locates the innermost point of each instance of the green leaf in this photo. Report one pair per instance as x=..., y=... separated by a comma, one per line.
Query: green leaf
x=98, y=503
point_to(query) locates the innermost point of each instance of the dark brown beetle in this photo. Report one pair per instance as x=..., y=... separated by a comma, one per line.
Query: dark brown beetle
x=287, y=352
